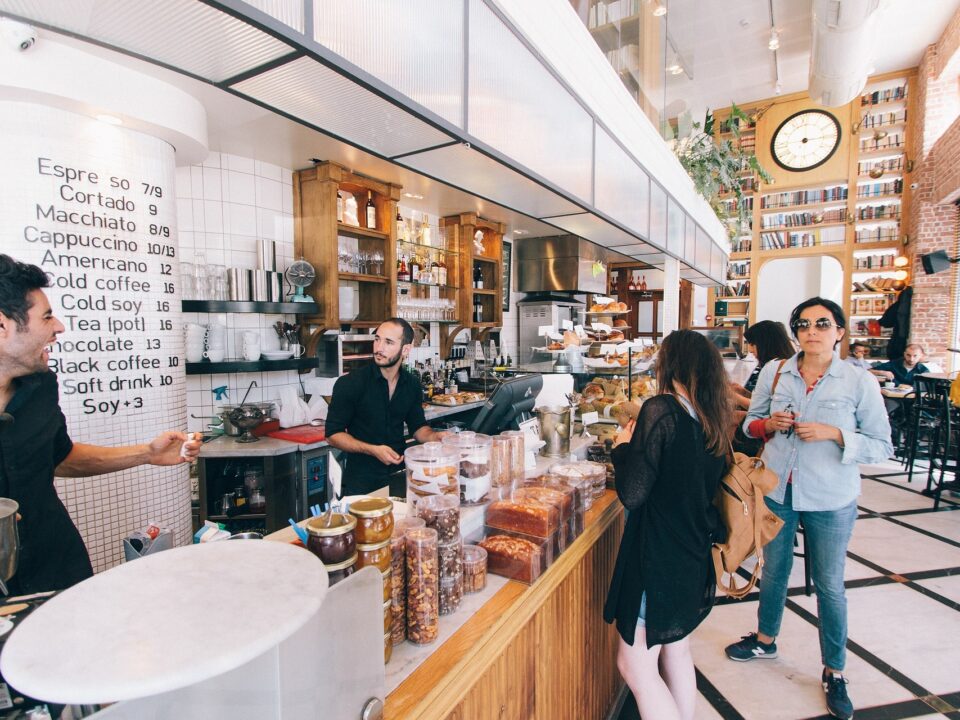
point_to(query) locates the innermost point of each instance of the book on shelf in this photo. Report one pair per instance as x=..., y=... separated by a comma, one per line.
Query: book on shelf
x=830, y=215
x=886, y=95
x=871, y=306
x=894, y=164
x=888, y=142
x=891, y=187
x=728, y=291
x=608, y=12
x=869, y=262
x=875, y=284
x=879, y=212
x=804, y=197
x=743, y=244
x=877, y=234
x=875, y=120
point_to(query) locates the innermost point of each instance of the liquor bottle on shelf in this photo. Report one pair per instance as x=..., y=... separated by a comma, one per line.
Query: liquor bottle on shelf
x=434, y=271
x=442, y=272
x=403, y=272
x=631, y=285
x=425, y=238
x=414, y=268
x=371, y=212
x=339, y=206
x=477, y=276
x=400, y=226
x=477, y=310
x=643, y=283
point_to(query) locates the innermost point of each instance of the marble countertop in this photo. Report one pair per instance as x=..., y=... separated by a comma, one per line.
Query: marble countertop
x=144, y=627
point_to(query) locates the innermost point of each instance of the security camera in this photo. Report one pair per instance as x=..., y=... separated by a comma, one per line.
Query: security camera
x=21, y=36
x=914, y=185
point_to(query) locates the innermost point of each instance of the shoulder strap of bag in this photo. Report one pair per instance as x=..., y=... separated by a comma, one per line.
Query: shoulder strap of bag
x=776, y=377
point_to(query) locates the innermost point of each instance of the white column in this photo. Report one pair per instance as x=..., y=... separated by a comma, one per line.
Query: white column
x=671, y=294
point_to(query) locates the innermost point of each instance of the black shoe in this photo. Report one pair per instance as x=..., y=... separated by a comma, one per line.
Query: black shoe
x=838, y=702
x=750, y=648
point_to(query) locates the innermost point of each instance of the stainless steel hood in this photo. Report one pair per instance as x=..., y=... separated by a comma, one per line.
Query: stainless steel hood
x=563, y=263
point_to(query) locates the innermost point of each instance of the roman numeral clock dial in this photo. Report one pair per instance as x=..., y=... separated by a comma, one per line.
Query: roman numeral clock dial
x=805, y=140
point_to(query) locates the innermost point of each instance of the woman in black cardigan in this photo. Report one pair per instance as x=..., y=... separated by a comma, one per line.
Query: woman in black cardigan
x=668, y=467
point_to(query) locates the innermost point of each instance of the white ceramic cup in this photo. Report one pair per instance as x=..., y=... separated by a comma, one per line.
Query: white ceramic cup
x=251, y=351
x=297, y=349
x=215, y=353
x=194, y=352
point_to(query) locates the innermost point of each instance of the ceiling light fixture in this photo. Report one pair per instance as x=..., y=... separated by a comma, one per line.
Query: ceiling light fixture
x=675, y=69
x=521, y=232
x=774, y=43
x=659, y=10
x=413, y=196
x=109, y=119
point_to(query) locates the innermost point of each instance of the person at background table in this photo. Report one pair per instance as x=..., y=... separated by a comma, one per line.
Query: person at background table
x=35, y=445
x=766, y=340
x=369, y=408
x=903, y=370
x=668, y=464
x=859, y=352
x=822, y=419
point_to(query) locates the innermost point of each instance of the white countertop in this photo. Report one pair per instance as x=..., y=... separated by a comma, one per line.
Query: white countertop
x=164, y=622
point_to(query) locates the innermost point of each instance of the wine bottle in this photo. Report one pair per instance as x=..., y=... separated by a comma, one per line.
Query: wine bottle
x=643, y=283
x=400, y=225
x=477, y=276
x=631, y=285
x=477, y=310
x=415, y=268
x=404, y=274
x=339, y=207
x=434, y=271
x=371, y=212
x=442, y=272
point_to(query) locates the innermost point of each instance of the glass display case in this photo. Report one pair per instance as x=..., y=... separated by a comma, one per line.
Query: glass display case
x=728, y=339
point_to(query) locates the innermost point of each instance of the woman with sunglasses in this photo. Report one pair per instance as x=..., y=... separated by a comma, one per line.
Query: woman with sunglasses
x=821, y=419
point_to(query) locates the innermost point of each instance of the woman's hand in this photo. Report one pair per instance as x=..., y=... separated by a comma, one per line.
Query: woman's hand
x=626, y=433
x=777, y=422
x=816, y=432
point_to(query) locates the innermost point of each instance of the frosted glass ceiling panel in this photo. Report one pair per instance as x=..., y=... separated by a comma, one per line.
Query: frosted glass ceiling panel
x=482, y=176
x=622, y=187
x=312, y=92
x=658, y=215
x=184, y=34
x=289, y=12
x=594, y=229
x=676, y=220
x=414, y=46
x=690, y=242
x=516, y=106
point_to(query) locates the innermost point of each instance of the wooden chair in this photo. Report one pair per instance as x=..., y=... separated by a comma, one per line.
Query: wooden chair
x=924, y=422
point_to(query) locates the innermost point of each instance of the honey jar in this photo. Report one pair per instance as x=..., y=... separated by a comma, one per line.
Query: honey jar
x=378, y=555
x=374, y=519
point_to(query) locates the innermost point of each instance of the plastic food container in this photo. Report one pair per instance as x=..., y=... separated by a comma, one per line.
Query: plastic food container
x=474, y=568
x=586, y=473
x=451, y=593
x=341, y=571
x=517, y=452
x=530, y=517
x=563, y=502
x=501, y=468
x=374, y=519
x=442, y=513
x=450, y=558
x=473, y=474
x=334, y=543
x=376, y=554
x=423, y=610
x=431, y=470
x=515, y=557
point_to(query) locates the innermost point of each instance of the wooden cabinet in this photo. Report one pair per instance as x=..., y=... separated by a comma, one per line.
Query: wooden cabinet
x=355, y=285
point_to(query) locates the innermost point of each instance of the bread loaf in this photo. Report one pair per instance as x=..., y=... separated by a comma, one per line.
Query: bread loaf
x=526, y=516
x=512, y=557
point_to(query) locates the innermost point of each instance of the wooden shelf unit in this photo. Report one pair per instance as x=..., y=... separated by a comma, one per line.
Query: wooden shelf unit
x=317, y=239
x=849, y=167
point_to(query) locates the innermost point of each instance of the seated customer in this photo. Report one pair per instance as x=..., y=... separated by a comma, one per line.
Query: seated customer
x=859, y=352
x=902, y=371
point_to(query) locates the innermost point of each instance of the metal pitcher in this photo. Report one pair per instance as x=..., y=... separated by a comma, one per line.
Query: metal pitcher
x=555, y=429
x=9, y=542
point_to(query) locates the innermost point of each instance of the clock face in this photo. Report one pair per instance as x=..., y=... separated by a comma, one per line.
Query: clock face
x=805, y=140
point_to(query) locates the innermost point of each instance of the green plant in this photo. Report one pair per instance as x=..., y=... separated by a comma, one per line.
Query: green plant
x=715, y=166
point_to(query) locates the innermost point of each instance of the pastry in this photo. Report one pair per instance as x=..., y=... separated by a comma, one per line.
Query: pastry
x=570, y=338
x=621, y=307
x=445, y=400
x=513, y=557
x=555, y=346
x=592, y=391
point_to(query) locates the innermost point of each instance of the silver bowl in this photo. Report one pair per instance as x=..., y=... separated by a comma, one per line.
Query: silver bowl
x=247, y=417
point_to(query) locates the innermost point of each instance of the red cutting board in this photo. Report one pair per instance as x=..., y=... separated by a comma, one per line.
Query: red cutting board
x=305, y=434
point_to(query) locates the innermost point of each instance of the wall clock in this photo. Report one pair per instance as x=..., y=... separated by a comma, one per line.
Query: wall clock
x=805, y=140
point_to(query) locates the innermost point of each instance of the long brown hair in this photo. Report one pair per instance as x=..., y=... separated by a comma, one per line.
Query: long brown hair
x=688, y=359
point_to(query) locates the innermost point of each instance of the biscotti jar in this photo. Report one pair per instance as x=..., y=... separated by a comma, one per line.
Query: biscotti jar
x=442, y=513
x=431, y=470
x=374, y=519
x=374, y=554
x=334, y=541
x=423, y=611
x=473, y=473
x=474, y=568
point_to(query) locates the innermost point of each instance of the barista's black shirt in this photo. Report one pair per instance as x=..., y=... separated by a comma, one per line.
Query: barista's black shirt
x=362, y=406
x=52, y=553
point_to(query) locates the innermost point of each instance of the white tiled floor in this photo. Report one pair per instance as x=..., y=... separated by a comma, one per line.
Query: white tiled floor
x=905, y=633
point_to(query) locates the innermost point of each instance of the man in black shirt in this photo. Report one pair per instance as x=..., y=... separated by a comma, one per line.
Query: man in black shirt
x=369, y=408
x=35, y=445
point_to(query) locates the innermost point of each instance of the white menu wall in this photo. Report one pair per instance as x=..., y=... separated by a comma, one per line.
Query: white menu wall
x=94, y=206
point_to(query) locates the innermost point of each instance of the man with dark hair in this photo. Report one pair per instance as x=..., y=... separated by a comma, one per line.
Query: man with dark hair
x=902, y=371
x=35, y=445
x=859, y=352
x=369, y=409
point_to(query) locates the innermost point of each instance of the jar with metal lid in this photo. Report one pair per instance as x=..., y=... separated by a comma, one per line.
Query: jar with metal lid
x=333, y=542
x=387, y=585
x=376, y=554
x=431, y=470
x=473, y=471
x=341, y=571
x=374, y=519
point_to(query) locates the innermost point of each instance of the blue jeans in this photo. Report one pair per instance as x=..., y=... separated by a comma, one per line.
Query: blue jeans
x=826, y=534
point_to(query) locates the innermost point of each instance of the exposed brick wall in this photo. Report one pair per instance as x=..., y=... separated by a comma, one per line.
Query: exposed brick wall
x=932, y=221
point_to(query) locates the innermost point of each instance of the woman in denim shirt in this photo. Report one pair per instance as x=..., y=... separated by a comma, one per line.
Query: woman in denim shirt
x=822, y=419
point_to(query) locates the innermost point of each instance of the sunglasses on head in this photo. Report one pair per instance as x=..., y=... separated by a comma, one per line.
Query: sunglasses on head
x=820, y=323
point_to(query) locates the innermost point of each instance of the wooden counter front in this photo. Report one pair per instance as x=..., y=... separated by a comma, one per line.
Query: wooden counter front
x=539, y=651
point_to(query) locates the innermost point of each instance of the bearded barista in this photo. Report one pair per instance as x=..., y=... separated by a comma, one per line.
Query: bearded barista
x=35, y=445
x=369, y=409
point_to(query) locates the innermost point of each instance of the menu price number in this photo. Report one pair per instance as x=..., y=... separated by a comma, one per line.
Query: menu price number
x=160, y=249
